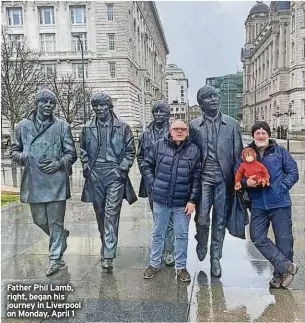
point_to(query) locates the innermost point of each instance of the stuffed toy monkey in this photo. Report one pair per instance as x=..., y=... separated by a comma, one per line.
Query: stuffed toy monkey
x=250, y=167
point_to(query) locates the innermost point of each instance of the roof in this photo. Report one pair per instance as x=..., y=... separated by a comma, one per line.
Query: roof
x=259, y=7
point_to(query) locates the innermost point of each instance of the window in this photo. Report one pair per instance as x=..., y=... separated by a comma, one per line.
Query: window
x=303, y=78
x=292, y=80
x=111, y=42
x=48, y=69
x=77, y=71
x=182, y=93
x=303, y=107
x=78, y=15
x=46, y=16
x=109, y=12
x=14, y=16
x=303, y=47
x=293, y=23
x=47, y=43
x=112, y=70
x=76, y=45
x=17, y=40
x=292, y=52
x=304, y=17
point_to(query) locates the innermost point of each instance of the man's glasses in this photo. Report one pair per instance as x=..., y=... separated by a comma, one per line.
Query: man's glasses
x=180, y=129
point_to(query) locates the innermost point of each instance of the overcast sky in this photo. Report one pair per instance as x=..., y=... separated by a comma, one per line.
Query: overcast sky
x=204, y=38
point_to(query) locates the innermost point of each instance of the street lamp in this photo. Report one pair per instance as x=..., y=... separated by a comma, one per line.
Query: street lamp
x=289, y=113
x=83, y=67
x=278, y=114
x=254, y=94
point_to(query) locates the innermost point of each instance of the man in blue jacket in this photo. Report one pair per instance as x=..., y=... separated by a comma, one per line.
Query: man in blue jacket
x=172, y=173
x=273, y=204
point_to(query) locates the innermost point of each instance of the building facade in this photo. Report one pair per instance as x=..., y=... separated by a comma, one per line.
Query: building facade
x=230, y=89
x=177, y=92
x=274, y=64
x=124, y=47
x=194, y=112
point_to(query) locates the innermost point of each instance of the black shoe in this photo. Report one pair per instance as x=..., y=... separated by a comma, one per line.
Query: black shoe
x=107, y=264
x=201, y=248
x=201, y=251
x=215, y=268
x=53, y=268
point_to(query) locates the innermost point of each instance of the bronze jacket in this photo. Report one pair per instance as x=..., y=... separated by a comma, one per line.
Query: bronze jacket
x=29, y=146
x=123, y=146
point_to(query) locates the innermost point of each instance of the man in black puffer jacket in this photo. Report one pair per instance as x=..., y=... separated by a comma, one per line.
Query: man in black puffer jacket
x=172, y=172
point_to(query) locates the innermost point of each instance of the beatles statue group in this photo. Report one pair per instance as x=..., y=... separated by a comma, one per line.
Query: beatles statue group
x=44, y=146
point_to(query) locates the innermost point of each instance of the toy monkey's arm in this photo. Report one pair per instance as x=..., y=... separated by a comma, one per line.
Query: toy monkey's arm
x=240, y=173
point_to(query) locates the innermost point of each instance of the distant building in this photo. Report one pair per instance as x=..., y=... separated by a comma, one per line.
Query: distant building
x=230, y=88
x=177, y=91
x=274, y=64
x=194, y=112
x=179, y=111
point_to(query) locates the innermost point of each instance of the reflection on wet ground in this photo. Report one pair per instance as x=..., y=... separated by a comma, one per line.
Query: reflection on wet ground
x=240, y=295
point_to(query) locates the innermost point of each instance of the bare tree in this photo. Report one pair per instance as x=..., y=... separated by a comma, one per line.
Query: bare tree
x=70, y=98
x=20, y=76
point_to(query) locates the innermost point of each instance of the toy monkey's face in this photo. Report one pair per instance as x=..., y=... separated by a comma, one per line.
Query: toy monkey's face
x=249, y=157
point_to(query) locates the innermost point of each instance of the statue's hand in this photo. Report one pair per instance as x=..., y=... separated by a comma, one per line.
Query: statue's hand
x=23, y=158
x=50, y=167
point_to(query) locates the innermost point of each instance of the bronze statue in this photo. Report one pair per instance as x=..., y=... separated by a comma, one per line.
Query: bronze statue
x=219, y=140
x=43, y=144
x=107, y=153
x=157, y=130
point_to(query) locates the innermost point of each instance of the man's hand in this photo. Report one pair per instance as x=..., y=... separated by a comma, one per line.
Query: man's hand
x=49, y=166
x=251, y=182
x=189, y=209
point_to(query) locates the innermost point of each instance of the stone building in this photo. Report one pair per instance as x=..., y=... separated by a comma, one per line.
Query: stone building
x=274, y=64
x=177, y=91
x=230, y=89
x=124, y=47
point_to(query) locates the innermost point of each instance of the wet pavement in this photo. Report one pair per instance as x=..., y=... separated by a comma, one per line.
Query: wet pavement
x=242, y=294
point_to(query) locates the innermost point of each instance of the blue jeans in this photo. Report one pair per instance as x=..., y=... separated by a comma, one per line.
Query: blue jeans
x=279, y=254
x=162, y=215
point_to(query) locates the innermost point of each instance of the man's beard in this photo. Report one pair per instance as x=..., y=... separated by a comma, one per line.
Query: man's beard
x=261, y=144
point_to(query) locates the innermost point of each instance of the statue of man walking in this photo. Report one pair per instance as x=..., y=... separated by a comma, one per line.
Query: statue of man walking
x=219, y=140
x=44, y=145
x=107, y=153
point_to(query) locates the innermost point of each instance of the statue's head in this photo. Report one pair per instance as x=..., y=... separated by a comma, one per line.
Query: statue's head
x=208, y=99
x=45, y=102
x=161, y=112
x=102, y=105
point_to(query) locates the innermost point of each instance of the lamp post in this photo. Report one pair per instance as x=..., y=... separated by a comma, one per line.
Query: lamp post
x=254, y=94
x=289, y=113
x=83, y=67
x=278, y=114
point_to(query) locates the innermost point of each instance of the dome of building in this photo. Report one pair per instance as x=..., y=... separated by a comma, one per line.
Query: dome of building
x=259, y=7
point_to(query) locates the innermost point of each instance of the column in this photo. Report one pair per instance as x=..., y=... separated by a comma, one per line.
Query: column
x=270, y=59
x=288, y=45
x=274, y=36
x=282, y=46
